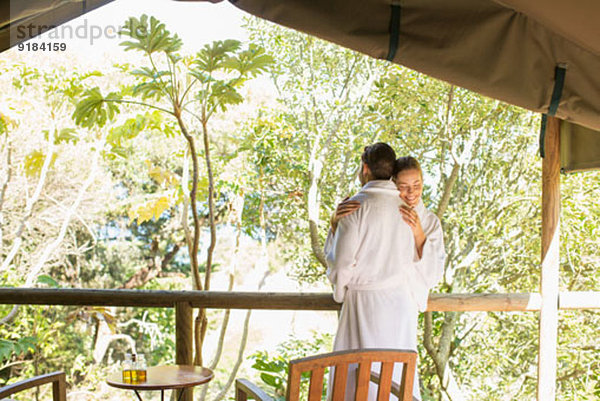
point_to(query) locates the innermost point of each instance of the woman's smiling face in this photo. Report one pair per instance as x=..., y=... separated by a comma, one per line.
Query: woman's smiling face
x=410, y=184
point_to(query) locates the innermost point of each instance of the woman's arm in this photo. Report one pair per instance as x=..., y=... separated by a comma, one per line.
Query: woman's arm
x=411, y=218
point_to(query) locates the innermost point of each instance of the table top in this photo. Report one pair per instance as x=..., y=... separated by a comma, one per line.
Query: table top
x=165, y=377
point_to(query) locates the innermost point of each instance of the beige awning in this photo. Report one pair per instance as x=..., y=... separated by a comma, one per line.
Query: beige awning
x=507, y=50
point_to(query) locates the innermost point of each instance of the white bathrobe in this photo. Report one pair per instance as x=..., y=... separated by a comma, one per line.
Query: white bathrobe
x=377, y=274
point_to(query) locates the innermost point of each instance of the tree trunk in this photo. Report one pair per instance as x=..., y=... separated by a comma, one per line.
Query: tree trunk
x=201, y=321
x=185, y=176
x=315, y=167
x=211, y=207
x=199, y=327
x=193, y=192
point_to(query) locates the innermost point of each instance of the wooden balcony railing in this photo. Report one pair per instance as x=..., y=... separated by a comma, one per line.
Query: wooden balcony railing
x=185, y=301
x=525, y=302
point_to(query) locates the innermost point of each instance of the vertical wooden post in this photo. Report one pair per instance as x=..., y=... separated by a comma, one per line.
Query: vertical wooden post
x=548, y=333
x=184, y=340
x=59, y=388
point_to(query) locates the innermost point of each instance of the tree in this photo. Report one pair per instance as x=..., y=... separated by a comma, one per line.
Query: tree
x=315, y=135
x=188, y=89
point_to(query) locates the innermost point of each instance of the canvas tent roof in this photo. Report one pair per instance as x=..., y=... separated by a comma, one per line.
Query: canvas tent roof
x=505, y=49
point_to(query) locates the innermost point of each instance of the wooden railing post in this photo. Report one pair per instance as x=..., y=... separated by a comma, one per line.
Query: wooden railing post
x=59, y=388
x=184, y=340
x=548, y=333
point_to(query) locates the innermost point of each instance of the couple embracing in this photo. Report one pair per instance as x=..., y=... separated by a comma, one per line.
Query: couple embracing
x=384, y=251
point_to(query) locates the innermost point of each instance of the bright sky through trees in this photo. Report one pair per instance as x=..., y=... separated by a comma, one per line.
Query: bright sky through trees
x=197, y=23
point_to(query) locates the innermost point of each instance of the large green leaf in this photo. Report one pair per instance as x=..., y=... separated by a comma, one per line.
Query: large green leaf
x=116, y=152
x=95, y=109
x=66, y=135
x=146, y=72
x=49, y=281
x=213, y=56
x=151, y=121
x=9, y=348
x=148, y=90
x=270, y=380
x=223, y=94
x=251, y=62
x=149, y=36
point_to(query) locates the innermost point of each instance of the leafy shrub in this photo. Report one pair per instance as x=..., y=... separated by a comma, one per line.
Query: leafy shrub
x=274, y=370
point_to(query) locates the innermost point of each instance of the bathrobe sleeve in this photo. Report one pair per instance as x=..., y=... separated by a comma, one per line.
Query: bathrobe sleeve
x=341, y=254
x=328, y=243
x=429, y=269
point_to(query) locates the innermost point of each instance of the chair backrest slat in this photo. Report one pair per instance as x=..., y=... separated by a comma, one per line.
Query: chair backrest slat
x=293, y=390
x=339, y=382
x=362, y=381
x=316, y=384
x=385, y=383
x=408, y=378
x=341, y=361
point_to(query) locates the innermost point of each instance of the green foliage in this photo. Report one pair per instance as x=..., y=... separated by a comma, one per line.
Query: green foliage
x=26, y=77
x=214, y=57
x=313, y=137
x=120, y=138
x=95, y=109
x=149, y=35
x=48, y=280
x=273, y=367
x=152, y=209
x=3, y=124
x=15, y=349
x=34, y=162
x=225, y=57
x=250, y=62
x=66, y=135
x=151, y=87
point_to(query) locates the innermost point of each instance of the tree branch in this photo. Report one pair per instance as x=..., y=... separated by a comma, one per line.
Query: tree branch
x=449, y=184
x=51, y=247
x=31, y=201
x=196, y=238
x=7, y=179
x=139, y=104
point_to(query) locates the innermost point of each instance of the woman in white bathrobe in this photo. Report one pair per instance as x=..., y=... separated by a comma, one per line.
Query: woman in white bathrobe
x=386, y=316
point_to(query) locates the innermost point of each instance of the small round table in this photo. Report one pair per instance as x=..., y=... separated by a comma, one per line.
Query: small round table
x=163, y=378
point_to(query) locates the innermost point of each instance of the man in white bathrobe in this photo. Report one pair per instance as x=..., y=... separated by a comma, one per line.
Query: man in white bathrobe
x=373, y=267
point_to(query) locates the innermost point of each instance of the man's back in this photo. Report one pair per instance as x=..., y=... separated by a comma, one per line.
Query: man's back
x=371, y=245
x=370, y=263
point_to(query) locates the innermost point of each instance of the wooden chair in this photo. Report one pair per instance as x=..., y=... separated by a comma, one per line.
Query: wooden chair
x=58, y=380
x=341, y=360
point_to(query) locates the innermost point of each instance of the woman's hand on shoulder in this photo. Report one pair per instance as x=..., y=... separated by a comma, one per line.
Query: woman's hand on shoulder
x=344, y=208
